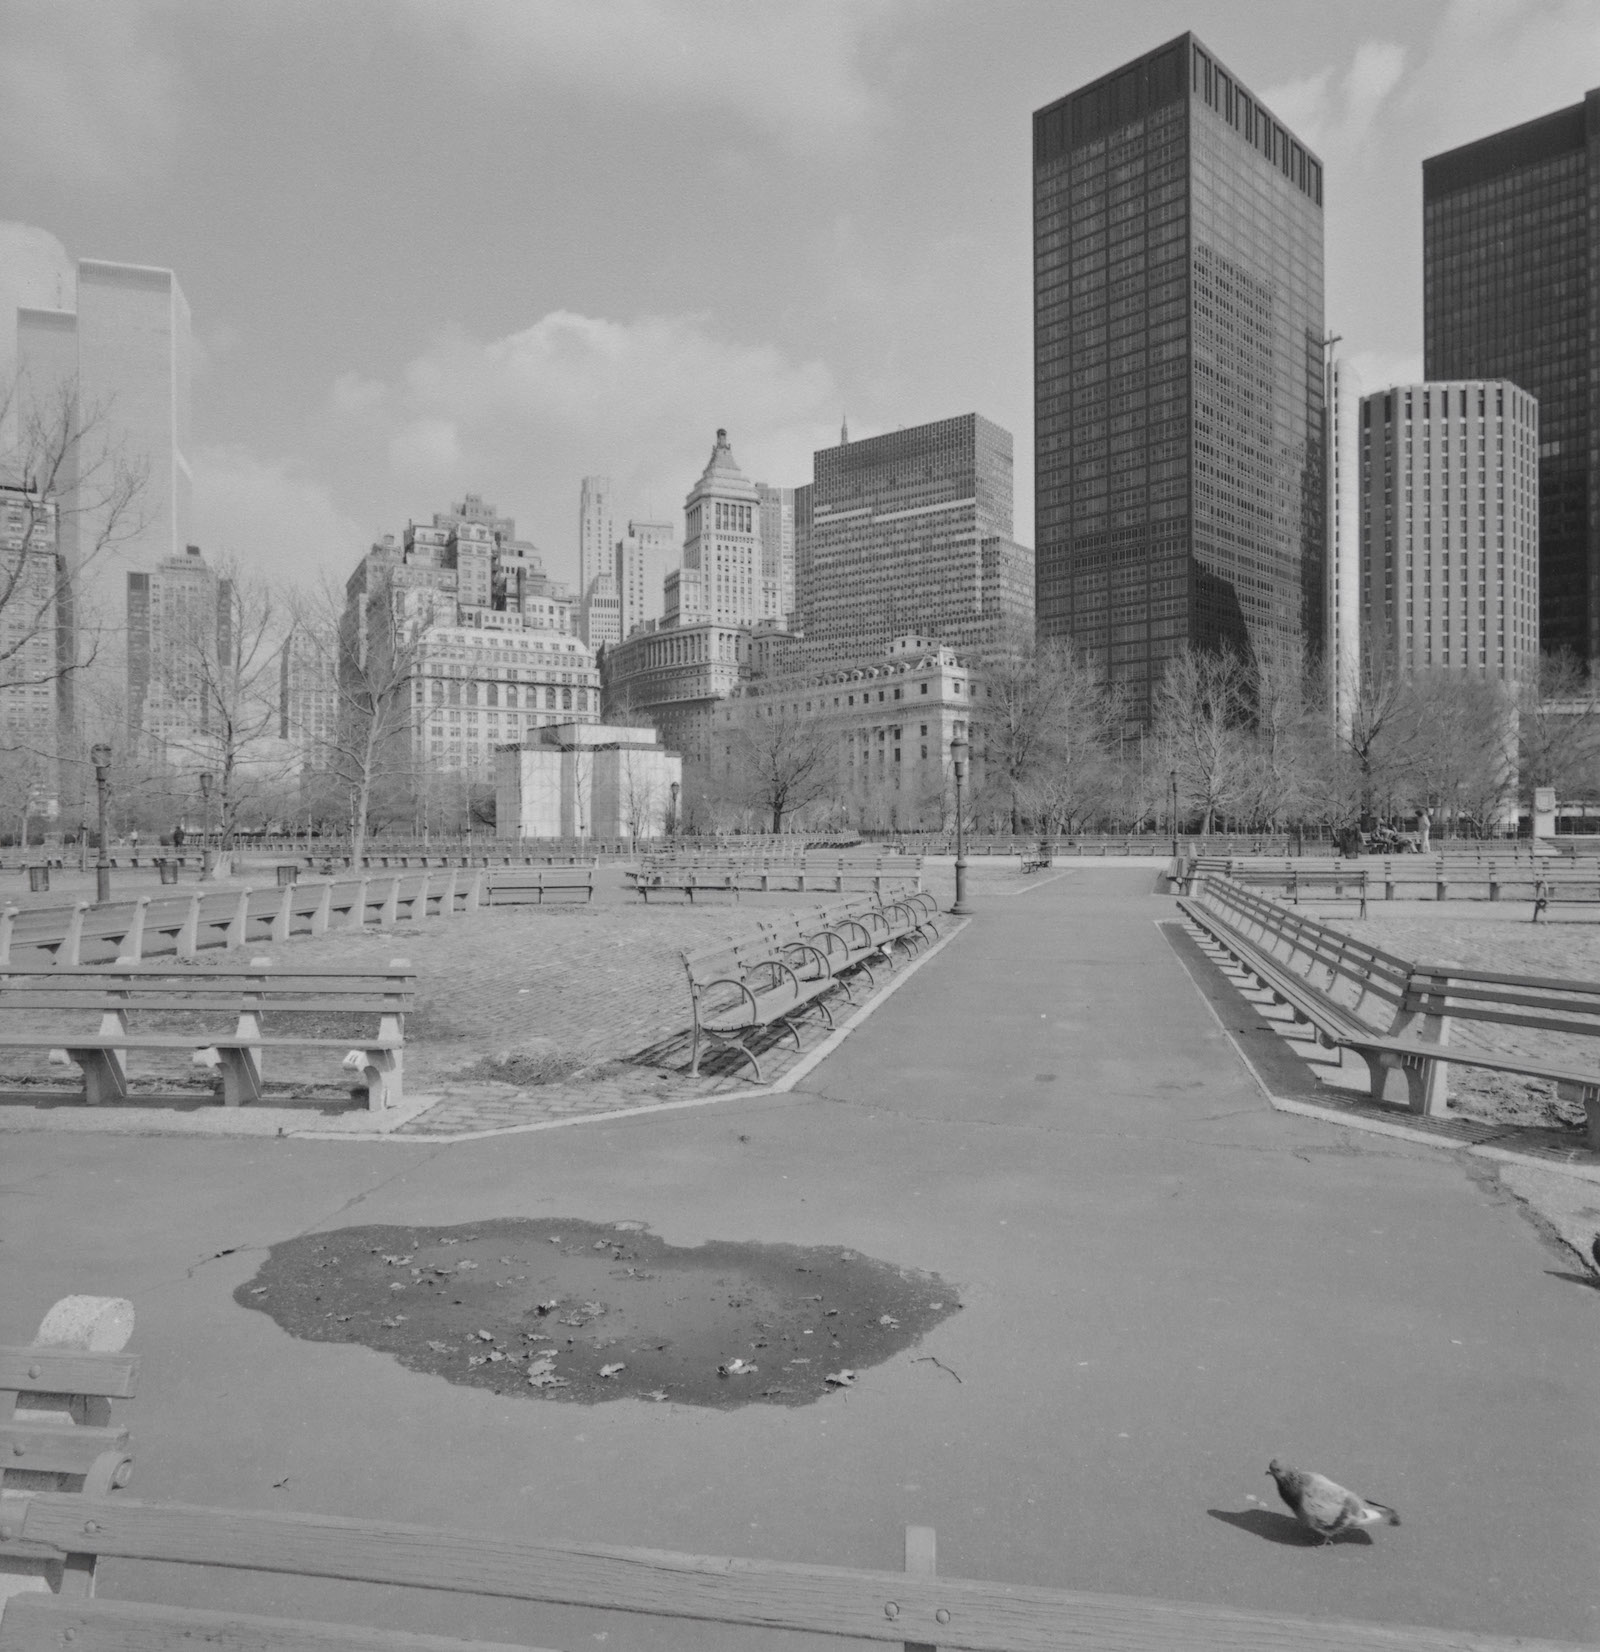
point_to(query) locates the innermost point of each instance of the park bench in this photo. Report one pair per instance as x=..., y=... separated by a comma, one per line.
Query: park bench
x=1037, y=859
x=528, y=886
x=740, y=988
x=247, y=997
x=1287, y=951
x=58, y=1432
x=916, y=1608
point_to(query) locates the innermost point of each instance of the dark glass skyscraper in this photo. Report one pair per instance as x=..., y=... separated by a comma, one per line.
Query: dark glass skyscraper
x=1511, y=258
x=1178, y=388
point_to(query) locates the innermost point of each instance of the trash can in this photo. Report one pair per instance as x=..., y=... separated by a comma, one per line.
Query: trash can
x=168, y=870
x=287, y=874
x=38, y=880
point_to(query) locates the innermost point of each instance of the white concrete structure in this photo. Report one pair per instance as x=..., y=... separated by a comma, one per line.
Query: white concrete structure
x=586, y=780
x=1450, y=528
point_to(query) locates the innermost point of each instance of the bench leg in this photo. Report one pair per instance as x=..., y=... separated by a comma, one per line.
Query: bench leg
x=1426, y=1080
x=241, y=1075
x=380, y=1071
x=105, y=1077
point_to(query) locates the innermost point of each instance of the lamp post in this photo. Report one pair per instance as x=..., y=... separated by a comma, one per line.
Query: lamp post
x=100, y=756
x=1172, y=787
x=205, y=840
x=958, y=756
x=672, y=819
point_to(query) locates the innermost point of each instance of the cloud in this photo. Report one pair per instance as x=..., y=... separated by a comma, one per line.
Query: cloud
x=1335, y=112
x=84, y=96
x=278, y=522
x=797, y=72
x=519, y=419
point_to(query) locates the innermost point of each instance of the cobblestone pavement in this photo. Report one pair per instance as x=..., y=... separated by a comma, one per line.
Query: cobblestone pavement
x=542, y=1013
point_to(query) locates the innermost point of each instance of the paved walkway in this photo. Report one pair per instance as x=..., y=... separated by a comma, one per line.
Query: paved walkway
x=1164, y=1283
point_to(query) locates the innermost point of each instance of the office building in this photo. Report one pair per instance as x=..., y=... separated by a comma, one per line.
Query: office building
x=644, y=556
x=777, y=552
x=600, y=624
x=673, y=677
x=910, y=533
x=887, y=717
x=1342, y=598
x=487, y=637
x=122, y=354
x=1178, y=350
x=308, y=702
x=1511, y=244
x=179, y=650
x=1449, y=509
x=30, y=579
x=719, y=579
x=596, y=535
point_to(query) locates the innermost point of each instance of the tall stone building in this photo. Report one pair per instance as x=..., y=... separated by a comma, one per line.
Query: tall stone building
x=487, y=637
x=910, y=533
x=1178, y=351
x=1449, y=506
x=596, y=537
x=719, y=581
x=30, y=581
x=1510, y=253
x=644, y=556
x=777, y=552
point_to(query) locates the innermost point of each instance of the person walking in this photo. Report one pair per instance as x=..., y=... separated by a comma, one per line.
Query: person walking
x=1424, y=826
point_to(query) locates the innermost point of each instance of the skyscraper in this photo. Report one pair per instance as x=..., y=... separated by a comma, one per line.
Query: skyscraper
x=910, y=532
x=124, y=357
x=1178, y=343
x=596, y=534
x=178, y=619
x=1449, y=508
x=643, y=557
x=777, y=552
x=720, y=577
x=1510, y=251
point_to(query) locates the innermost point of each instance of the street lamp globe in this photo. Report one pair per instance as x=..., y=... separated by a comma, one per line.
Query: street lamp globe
x=100, y=755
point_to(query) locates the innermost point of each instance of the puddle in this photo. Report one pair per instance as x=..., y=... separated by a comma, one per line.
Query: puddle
x=590, y=1311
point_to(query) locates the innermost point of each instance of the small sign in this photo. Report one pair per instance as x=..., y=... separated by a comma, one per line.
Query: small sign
x=1544, y=799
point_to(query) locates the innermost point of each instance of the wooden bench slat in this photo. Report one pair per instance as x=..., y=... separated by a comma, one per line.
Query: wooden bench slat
x=46, y=1623
x=56, y=1448
x=981, y=1616
x=68, y=1371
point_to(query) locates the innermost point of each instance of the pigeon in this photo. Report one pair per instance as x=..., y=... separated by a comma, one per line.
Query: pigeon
x=1323, y=1507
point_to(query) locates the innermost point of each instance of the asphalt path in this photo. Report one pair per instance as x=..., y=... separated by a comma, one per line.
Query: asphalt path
x=1165, y=1284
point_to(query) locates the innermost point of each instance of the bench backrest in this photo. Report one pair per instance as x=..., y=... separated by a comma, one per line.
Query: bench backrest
x=916, y=1606
x=255, y=991
x=1534, y=1003
x=1351, y=971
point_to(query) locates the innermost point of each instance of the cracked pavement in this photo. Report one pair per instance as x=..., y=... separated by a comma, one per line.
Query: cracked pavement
x=1165, y=1283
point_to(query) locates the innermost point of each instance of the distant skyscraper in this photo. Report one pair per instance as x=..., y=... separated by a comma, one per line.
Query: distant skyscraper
x=644, y=556
x=720, y=577
x=125, y=354
x=1342, y=602
x=777, y=552
x=1450, y=529
x=1178, y=326
x=597, y=536
x=600, y=617
x=179, y=617
x=910, y=532
x=29, y=685
x=1510, y=252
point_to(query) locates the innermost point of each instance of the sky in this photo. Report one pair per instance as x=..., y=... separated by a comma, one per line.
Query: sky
x=440, y=246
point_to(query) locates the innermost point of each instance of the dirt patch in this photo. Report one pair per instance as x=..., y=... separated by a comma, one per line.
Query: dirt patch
x=571, y=1310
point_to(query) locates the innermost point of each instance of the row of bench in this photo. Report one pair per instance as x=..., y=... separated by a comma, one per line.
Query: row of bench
x=181, y=925
x=835, y=874
x=62, y=1512
x=787, y=968
x=1539, y=883
x=1398, y=1015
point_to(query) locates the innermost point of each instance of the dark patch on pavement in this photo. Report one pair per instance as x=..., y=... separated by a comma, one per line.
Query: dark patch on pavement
x=571, y=1310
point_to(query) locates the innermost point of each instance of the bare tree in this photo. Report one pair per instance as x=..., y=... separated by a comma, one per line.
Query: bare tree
x=356, y=665
x=214, y=697
x=1046, y=723
x=776, y=758
x=1560, y=729
x=1202, y=710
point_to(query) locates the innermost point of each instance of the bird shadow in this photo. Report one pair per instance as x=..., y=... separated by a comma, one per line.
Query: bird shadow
x=1281, y=1528
x=1574, y=1278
